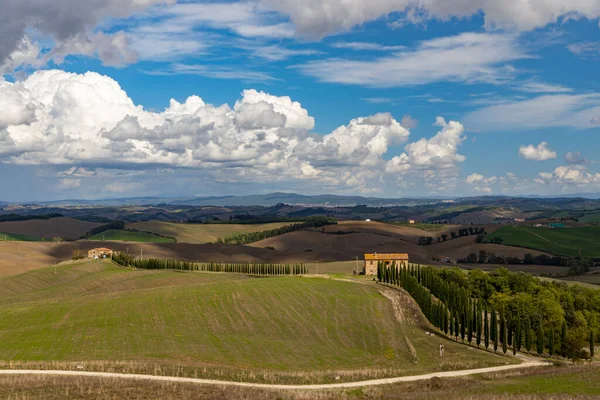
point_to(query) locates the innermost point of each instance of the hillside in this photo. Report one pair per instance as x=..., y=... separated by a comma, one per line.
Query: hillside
x=214, y=323
x=120, y=235
x=560, y=241
x=201, y=233
x=66, y=228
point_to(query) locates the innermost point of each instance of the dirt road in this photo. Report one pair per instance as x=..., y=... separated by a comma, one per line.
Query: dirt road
x=527, y=363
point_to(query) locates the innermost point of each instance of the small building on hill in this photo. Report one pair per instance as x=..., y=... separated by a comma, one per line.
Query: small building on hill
x=372, y=260
x=101, y=252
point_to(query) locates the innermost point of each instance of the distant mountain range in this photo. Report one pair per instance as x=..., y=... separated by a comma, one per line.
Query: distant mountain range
x=271, y=199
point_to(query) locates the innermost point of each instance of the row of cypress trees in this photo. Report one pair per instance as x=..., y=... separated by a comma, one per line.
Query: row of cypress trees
x=452, y=309
x=126, y=260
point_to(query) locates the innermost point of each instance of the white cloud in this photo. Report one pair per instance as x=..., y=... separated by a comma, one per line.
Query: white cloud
x=213, y=71
x=85, y=121
x=541, y=87
x=69, y=25
x=366, y=46
x=278, y=53
x=409, y=122
x=572, y=175
x=585, y=49
x=561, y=110
x=317, y=18
x=468, y=57
x=540, y=153
x=438, y=153
x=574, y=157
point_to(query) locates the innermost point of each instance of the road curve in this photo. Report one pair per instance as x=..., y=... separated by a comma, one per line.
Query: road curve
x=528, y=363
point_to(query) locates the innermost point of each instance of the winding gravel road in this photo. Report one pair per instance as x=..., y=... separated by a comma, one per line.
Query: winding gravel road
x=527, y=363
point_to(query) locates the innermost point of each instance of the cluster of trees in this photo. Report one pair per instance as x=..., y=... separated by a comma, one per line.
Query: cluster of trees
x=576, y=265
x=17, y=217
x=247, y=238
x=504, y=309
x=127, y=260
x=104, y=228
x=425, y=240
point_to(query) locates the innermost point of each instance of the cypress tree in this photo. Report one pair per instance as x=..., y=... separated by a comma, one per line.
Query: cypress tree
x=445, y=319
x=456, y=326
x=493, y=325
x=462, y=327
x=479, y=324
x=551, y=343
x=592, y=344
x=540, y=340
x=502, y=326
x=528, y=341
x=503, y=333
x=514, y=348
x=379, y=271
x=486, y=329
x=563, y=339
x=518, y=333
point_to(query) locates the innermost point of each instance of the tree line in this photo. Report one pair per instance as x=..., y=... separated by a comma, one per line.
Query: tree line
x=252, y=237
x=266, y=269
x=427, y=240
x=18, y=217
x=503, y=309
x=576, y=265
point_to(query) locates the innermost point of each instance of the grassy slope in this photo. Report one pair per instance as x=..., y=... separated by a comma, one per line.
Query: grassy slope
x=560, y=241
x=96, y=311
x=13, y=237
x=201, y=233
x=66, y=228
x=128, y=236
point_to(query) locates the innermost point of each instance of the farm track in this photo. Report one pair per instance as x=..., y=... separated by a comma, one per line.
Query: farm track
x=527, y=363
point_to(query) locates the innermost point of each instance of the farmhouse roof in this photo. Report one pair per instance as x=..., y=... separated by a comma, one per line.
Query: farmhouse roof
x=102, y=249
x=392, y=256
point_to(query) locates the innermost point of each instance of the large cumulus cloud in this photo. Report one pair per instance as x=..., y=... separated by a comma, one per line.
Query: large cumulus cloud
x=70, y=23
x=87, y=120
x=318, y=18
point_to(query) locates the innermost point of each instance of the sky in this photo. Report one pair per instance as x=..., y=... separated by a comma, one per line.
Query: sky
x=385, y=98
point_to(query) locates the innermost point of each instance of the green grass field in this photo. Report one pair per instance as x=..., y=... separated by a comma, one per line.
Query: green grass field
x=214, y=325
x=202, y=233
x=559, y=241
x=129, y=236
x=11, y=237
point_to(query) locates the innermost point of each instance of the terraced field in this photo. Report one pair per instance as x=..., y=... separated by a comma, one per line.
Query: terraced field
x=560, y=241
x=215, y=325
x=201, y=233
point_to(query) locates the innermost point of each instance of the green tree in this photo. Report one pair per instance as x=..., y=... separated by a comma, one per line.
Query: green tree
x=503, y=333
x=486, y=329
x=563, y=339
x=592, y=344
x=551, y=342
x=540, y=339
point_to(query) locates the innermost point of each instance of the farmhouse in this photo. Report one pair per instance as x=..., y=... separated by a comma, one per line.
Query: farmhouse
x=372, y=260
x=101, y=252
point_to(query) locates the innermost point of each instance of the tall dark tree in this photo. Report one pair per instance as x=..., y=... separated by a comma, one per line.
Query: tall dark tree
x=540, y=339
x=563, y=339
x=486, y=329
x=503, y=333
x=592, y=344
x=528, y=341
x=494, y=328
x=479, y=324
x=551, y=342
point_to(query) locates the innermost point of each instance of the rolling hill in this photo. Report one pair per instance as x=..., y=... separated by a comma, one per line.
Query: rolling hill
x=201, y=233
x=223, y=325
x=560, y=241
x=66, y=228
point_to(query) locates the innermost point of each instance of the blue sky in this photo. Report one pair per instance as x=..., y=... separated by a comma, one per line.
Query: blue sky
x=384, y=98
